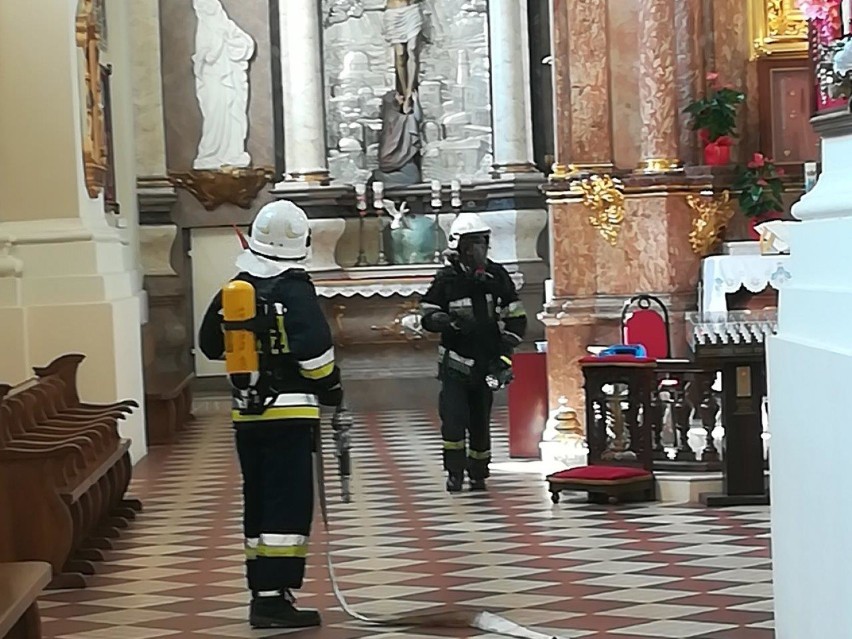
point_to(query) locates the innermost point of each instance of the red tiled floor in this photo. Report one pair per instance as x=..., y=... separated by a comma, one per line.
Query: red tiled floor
x=405, y=545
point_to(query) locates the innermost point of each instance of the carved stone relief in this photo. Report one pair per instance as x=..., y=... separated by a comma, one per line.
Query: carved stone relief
x=453, y=87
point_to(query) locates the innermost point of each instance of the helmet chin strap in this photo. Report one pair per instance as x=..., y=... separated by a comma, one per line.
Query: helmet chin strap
x=273, y=258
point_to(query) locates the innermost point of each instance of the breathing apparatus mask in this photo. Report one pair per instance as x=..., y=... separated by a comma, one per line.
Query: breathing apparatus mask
x=473, y=254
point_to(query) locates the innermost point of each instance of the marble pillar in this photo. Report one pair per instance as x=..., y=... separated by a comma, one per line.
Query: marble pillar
x=658, y=100
x=305, y=156
x=592, y=279
x=731, y=53
x=689, y=73
x=510, y=94
x=582, y=83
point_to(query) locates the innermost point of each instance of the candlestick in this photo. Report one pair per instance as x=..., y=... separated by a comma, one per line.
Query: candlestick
x=378, y=195
x=361, y=205
x=437, y=204
x=455, y=189
x=379, y=205
x=436, y=194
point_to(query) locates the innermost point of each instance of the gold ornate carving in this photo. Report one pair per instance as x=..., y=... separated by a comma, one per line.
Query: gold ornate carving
x=659, y=165
x=95, y=154
x=603, y=195
x=229, y=185
x=777, y=27
x=709, y=222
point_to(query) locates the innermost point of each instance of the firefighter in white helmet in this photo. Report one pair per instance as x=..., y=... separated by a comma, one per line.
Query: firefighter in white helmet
x=473, y=304
x=276, y=408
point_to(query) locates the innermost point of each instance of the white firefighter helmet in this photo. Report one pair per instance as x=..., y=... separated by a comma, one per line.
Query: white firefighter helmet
x=466, y=224
x=279, y=240
x=280, y=231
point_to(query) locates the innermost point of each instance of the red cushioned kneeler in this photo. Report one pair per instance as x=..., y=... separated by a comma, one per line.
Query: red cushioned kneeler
x=603, y=481
x=600, y=473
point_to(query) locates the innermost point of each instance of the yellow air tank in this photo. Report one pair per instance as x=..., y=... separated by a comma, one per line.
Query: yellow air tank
x=241, y=357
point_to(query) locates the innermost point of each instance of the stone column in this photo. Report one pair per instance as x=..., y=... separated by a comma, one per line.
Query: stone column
x=657, y=90
x=689, y=73
x=582, y=83
x=305, y=155
x=510, y=88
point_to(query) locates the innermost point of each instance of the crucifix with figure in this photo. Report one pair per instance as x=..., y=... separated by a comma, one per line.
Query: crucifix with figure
x=403, y=23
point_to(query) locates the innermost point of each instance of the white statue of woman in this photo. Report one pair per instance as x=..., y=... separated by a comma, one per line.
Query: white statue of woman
x=220, y=64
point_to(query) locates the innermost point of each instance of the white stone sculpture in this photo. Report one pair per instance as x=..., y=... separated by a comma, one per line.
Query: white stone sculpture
x=220, y=64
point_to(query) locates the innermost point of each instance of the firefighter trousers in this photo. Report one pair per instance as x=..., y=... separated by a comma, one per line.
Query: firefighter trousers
x=276, y=458
x=465, y=409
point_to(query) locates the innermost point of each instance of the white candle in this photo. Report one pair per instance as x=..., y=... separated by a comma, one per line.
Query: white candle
x=378, y=195
x=846, y=15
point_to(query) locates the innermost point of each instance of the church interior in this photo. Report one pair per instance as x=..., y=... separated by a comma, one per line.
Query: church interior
x=667, y=182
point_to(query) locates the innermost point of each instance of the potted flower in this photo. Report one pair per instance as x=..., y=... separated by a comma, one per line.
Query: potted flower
x=715, y=118
x=759, y=186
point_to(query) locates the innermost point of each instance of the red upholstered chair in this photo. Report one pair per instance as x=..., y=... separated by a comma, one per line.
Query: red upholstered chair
x=618, y=432
x=645, y=321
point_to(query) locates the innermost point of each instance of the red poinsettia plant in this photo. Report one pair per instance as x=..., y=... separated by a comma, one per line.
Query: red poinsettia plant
x=759, y=185
x=715, y=118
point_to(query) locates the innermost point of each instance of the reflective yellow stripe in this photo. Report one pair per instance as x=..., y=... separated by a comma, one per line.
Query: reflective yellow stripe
x=275, y=412
x=475, y=454
x=453, y=445
x=262, y=550
x=318, y=367
x=318, y=373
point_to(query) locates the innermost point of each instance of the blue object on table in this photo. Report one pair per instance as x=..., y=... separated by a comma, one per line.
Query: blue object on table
x=631, y=350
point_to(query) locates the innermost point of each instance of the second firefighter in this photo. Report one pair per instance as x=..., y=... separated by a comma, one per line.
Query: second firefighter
x=473, y=304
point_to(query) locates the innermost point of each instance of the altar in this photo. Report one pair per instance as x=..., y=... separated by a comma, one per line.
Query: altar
x=753, y=271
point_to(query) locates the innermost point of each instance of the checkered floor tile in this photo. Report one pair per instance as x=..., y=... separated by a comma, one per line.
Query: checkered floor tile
x=405, y=545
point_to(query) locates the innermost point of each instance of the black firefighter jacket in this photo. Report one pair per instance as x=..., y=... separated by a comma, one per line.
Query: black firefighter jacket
x=297, y=352
x=489, y=317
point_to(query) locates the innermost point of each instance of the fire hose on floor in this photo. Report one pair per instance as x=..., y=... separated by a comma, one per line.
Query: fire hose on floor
x=448, y=616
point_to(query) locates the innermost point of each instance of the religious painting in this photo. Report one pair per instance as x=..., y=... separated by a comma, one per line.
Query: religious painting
x=408, y=90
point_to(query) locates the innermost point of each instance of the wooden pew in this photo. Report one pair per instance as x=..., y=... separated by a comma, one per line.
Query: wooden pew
x=20, y=586
x=64, y=471
x=168, y=406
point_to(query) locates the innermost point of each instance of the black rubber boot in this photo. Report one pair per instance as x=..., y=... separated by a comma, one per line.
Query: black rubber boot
x=477, y=485
x=454, y=482
x=279, y=612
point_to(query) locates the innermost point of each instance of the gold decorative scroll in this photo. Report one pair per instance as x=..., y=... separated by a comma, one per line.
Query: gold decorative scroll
x=603, y=195
x=777, y=27
x=708, y=224
x=95, y=156
x=229, y=185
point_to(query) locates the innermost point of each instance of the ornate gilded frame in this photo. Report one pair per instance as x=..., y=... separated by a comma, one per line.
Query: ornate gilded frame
x=777, y=28
x=95, y=153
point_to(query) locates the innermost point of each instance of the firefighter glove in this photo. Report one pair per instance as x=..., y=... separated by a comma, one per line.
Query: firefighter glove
x=499, y=374
x=463, y=324
x=332, y=396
